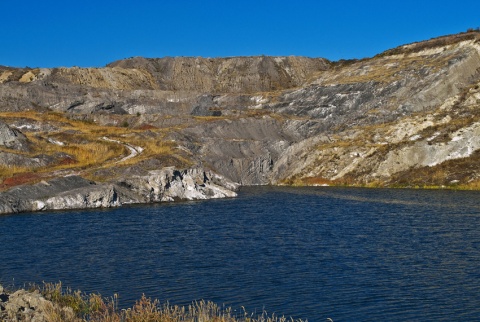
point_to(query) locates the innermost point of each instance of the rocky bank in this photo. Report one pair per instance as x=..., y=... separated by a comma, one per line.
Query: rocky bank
x=74, y=192
x=23, y=305
x=201, y=127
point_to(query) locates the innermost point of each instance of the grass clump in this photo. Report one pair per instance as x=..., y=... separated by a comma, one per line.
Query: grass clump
x=11, y=170
x=75, y=306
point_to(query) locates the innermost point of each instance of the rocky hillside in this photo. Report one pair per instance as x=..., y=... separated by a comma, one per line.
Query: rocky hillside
x=406, y=117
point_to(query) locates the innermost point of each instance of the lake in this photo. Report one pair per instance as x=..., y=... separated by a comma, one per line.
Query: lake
x=313, y=253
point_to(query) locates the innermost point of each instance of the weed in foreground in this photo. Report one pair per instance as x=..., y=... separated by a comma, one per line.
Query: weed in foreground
x=75, y=306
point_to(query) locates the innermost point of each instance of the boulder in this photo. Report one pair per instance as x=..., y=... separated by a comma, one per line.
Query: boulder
x=31, y=306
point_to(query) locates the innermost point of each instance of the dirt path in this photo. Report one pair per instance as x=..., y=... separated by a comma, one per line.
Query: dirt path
x=134, y=150
x=34, y=177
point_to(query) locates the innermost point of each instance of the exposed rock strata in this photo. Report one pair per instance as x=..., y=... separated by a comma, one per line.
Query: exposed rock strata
x=225, y=75
x=74, y=192
x=170, y=184
x=12, y=138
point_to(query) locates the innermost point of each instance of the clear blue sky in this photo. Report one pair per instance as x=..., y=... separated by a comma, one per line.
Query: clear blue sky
x=48, y=33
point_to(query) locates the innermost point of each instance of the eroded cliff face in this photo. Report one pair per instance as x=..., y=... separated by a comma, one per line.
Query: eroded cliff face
x=75, y=192
x=151, y=85
x=405, y=120
x=408, y=116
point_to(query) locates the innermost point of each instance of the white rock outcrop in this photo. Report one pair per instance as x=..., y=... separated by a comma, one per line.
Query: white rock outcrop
x=461, y=145
x=167, y=184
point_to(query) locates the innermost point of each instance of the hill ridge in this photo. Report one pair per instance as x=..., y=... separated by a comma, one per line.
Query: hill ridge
x=406, y=117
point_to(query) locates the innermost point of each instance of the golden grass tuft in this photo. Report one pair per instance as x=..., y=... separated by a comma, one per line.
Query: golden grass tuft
x=11, y=170
x=75, y=306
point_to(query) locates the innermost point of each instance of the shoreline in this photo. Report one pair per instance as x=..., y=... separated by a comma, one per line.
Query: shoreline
x=53, y=302
x=85, y=194
x=74, y=192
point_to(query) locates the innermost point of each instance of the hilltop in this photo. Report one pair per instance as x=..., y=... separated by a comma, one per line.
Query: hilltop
x=146, y=130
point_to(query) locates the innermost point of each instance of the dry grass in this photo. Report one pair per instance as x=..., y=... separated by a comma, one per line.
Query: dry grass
x=472, y=185
x=209, y=118
x=432, y=43
x=11, y=170
x=461, y=173
x=75, y=306
x=382, y=70
x=392, y=65
x=83, y=145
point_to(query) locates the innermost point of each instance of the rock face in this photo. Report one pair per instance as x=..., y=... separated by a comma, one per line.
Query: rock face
x=170, y=184
x=422, y=153
x=60, y=193
x=409, y=116
x=151, y=85
x=74, y=192
x=11, y=138
x=225, y=75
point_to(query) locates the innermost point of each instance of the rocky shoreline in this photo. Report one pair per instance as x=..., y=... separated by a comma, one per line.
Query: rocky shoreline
x=23, y=305
x=75, y=192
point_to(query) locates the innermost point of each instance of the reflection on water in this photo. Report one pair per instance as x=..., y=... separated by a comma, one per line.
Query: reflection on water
x=312, y=253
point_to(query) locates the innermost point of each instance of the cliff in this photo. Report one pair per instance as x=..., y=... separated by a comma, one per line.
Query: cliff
x=406, y=117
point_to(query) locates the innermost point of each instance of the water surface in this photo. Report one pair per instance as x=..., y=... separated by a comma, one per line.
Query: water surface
x=311, y=253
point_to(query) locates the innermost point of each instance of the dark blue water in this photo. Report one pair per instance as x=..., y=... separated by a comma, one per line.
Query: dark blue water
x=311, y=253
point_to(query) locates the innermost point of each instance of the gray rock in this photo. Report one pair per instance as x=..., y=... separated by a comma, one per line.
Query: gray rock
x=11, y=138
x=169, y=184
x=60, y=193
x=21, y=160
x=96, y=196
x=26, y=306
x=74, y=192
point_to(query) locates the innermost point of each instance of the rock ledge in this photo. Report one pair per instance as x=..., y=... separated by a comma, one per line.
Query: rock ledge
x=75, y=192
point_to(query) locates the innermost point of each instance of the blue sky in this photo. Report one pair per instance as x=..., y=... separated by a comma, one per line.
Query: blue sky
x=89, y=33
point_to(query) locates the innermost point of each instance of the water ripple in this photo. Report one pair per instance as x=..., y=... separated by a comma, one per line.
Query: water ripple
x=312, y=253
